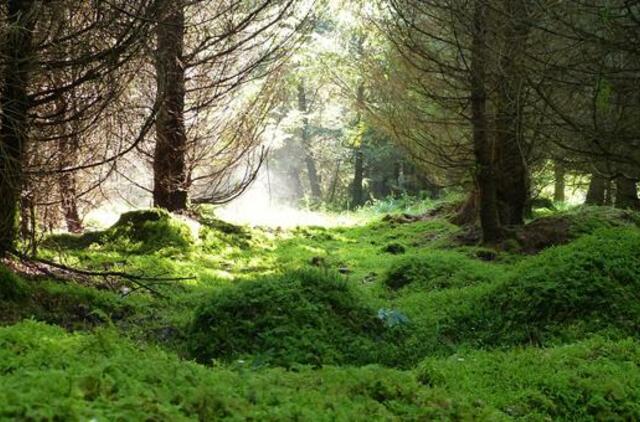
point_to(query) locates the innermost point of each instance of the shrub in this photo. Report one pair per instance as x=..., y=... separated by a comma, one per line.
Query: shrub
x=300, y=317
x=589, y=285
x=436, y=270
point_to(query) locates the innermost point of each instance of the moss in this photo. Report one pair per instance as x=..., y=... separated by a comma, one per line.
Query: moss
x=149, y=230
x=437, y=270
x=142, y=232
x=567, y=291
x=597, y=379
x=12, y=287
x=394, y=248
x=301, y=317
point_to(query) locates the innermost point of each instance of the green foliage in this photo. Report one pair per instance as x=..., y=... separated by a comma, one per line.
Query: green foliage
x=300, y=317
x=592, y=380
x=437, y=270
x=569, y=291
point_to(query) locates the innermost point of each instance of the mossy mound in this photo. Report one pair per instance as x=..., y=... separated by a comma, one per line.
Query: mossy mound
x=68, y=305
x=216, y=234
x=565, y=292
x=300, y=317
x=151, y=229
x=597, y=379
x=563, y=227
x=143, y=231
x=437, y=270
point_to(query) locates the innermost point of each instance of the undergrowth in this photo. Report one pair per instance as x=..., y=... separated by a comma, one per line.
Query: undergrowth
x=392, y=319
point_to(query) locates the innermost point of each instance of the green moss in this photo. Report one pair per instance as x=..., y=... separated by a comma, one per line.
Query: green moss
x=569, y=291
x=300, y=317
x=12, y=287
x=437, y=270
x=149, y=230
x=48, y=374
x=593, y=380
x=141, y=232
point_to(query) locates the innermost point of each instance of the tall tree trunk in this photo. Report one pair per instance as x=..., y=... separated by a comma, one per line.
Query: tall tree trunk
x=627, y=194
x=596, y=192
x=559, y=184
x=69, y=194
x=14, y=106
x=67, y=149
x=357, y=189
x=334, y=182
x=312, y=172
x=485, y=176
x=513, y=180
x=169, y=161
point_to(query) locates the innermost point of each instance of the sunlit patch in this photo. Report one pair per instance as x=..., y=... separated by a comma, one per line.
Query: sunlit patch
x=194, y=226
x=256, y=208
x=106, y=215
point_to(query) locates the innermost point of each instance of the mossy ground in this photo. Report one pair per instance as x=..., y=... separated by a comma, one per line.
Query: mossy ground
x=384, y=320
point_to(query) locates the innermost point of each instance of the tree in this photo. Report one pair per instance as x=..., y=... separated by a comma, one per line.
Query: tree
x=208, y=58
x=45, y=60
x=14, y=104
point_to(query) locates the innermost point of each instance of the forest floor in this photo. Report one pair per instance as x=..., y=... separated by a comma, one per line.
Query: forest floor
x=398, y=317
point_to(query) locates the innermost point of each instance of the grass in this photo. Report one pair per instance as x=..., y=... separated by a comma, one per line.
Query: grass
x=383, y=320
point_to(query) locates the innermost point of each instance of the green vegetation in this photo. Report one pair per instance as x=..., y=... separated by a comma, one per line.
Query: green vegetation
x=301, y=317
x=567, y=292
x=325, y=323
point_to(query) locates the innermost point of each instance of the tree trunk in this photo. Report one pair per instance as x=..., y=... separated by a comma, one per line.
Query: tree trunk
x=67, y=149
x=596, y=192
x=485, y=176
x=559, y=184
x=513, y=180
x=312, y=172
x=627, y=194
x=14, y=106
x=169, y=161
x=334, y=182
x=69, y=200
x=357, y=189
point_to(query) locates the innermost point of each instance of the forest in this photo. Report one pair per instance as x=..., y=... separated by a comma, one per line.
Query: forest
x=319, y=210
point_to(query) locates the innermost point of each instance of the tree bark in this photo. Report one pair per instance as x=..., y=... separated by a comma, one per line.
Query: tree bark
x=14, y=106
x=596, y=192
x=69, y=200
x=357, y=189
x=312, y=172
x=627, y=194
x=513, y=180
x=485, y=176
x=169, y=162
x=559, y=184
x=67, y=149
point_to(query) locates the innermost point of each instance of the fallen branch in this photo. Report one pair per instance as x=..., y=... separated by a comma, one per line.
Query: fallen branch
x=45, y=266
